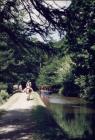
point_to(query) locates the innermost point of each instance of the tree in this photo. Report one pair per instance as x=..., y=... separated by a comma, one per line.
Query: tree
x=77, y=23
x=17, y=64
x=21, y=53
x=14, y=24
x=80, y=35
x=56, y=71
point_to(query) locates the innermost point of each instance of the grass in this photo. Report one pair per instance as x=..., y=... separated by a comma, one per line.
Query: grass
x=45, y=126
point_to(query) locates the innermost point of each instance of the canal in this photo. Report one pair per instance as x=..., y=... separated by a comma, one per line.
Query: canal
x=74, y=116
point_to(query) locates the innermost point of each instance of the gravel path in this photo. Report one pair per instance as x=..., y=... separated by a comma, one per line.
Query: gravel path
x=28, y=120
x=13, y=124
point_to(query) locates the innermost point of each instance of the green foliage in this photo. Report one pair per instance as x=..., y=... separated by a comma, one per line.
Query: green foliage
x=80, y=36
x=1, y=101
x=47, y=74
x=19, y=64
x=3, y=86
x=3, y=96
x=56, y=71
x=22, y=58
x=65, y=69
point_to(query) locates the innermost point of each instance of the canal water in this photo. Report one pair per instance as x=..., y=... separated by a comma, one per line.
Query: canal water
x=74, y=116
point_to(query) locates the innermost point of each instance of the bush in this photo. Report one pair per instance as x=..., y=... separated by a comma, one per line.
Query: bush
x=56, y=71
x=4, y=95
x=3, y=86
x=1, y=101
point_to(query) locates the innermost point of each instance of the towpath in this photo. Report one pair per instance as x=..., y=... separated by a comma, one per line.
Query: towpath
x=28, y=120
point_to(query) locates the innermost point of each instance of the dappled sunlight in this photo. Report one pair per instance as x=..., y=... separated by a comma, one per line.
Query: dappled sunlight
x=15, y=124
x=27, y=124
x=24, y=119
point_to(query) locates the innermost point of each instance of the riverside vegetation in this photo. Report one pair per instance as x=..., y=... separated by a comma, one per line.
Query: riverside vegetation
x=68, y=64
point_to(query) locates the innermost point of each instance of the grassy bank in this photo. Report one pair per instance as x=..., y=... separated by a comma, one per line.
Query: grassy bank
x=44, y=127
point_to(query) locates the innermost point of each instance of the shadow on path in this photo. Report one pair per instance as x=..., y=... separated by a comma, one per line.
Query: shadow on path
x=35, y=124
x=31, y=124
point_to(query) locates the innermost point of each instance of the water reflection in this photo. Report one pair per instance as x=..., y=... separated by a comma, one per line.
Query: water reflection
x=76, y=121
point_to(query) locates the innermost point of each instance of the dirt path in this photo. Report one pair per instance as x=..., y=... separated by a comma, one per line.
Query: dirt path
x=17, y=110
x=27, y=120
x=19, y=101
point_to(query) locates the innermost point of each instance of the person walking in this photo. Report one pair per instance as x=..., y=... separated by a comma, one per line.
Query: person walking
x=29, y=90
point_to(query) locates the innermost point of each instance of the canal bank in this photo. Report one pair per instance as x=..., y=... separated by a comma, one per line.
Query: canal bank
x=75, y=116
x=28, y=120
